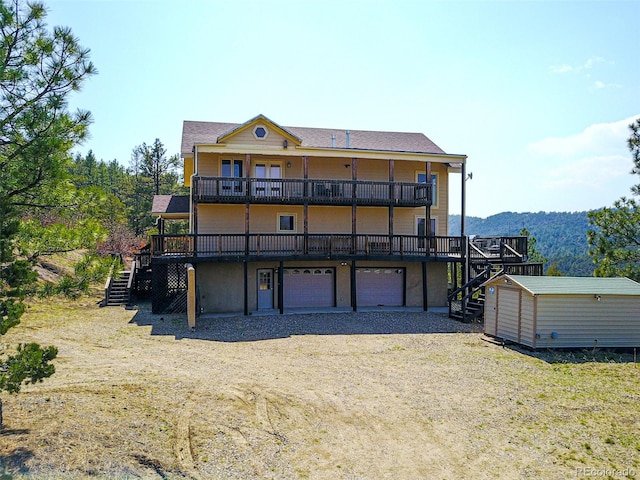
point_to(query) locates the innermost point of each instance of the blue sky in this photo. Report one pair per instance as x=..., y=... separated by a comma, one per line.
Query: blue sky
x=537, y=94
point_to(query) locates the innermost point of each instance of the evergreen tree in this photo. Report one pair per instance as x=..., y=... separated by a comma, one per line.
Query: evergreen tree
x=38, y=69
x=615, y=239
x=532, y=253
x=152, y=173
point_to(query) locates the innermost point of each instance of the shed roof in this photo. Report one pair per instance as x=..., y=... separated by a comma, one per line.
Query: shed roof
x=542, y=285
x=203, y=133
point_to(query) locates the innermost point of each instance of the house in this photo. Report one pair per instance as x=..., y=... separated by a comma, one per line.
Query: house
x=563, y=312
x=284, y=218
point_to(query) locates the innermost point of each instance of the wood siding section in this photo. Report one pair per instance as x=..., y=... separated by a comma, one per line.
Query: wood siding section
x=209, y=164
x=188, y=171
x=330, y=220
x=580, y=320
x=527, y=316
x=330, y=168
x=220, y=218
x=264, y=218
x=245, y=137
x=373, y=220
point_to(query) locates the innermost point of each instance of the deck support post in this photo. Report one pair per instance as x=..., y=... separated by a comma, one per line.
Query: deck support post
x=354, y=224
x=191, y=296
x=424, y=287
x=391, y=203
x=354, y=299
x=280, y=287
x=246, y=288
x=307, y=192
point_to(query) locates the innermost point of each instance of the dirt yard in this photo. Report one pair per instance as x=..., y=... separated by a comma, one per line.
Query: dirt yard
x=356, y=396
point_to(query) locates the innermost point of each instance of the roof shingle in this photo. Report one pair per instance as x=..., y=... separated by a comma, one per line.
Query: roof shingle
x=198, y=133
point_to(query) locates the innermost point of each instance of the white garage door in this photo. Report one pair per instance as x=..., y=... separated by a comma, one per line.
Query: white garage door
x=309, y=287
x=380, y=287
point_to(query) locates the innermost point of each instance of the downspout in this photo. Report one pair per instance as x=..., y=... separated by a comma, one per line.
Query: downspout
x=194, y=150
x=193, y=228
x=463, y=200
x=463, y=237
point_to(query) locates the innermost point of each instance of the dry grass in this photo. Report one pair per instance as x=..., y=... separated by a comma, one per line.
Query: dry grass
x=139, y=396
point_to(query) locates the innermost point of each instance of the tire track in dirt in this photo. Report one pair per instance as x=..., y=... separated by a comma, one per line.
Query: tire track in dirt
x=183, y=447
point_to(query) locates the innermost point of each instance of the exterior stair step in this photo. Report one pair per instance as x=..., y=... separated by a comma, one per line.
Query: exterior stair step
x=118, y=291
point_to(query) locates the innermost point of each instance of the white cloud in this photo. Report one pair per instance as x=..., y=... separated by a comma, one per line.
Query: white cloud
x=601, y=85
x=562, y=68
x=586, y=170
x=587, y=65
x=590, y=172
x=600, y=139
x=592, y=61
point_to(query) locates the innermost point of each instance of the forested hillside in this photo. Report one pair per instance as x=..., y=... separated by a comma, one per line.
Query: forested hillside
x=561, y=237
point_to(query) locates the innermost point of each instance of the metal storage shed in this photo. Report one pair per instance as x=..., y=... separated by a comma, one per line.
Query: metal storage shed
x=563, y=312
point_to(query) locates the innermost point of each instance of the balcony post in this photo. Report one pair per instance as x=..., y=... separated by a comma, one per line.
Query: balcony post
x=354, y=223
x=424, y=287
x=246, y=289
x=305, y=173
x=354, y=297
x=427, y=228
x=280, y=287
x=391, y=203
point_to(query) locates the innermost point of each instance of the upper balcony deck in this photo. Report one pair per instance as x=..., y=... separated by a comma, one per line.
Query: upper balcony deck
x=269, y=246
x=310, y=191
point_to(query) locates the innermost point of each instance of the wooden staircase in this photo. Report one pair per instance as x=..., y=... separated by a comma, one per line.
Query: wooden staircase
x=489, y=258
x=118, y=289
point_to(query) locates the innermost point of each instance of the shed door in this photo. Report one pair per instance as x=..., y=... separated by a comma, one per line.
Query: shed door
x=376, y=287
x=508, y=314
x=309, y=287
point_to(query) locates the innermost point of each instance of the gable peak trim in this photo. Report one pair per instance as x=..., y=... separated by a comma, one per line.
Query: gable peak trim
x=263, y=121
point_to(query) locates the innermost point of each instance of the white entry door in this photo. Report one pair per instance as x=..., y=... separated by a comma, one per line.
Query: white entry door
x=265, y=289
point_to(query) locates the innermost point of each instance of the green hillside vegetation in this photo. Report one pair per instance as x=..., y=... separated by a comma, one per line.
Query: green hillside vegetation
x=561, y=237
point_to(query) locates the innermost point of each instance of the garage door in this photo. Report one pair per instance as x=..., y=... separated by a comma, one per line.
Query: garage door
x=309, y=287
x=380, y=287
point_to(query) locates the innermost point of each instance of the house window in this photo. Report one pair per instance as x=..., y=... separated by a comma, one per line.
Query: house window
x=231, y=169
x=260, y=132
x=421, y=224
x=286, y=222
x=422, y=178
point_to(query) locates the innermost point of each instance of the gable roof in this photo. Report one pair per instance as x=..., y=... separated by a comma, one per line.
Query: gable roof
x=257, y=120
x=543, y=285
x=208, y=133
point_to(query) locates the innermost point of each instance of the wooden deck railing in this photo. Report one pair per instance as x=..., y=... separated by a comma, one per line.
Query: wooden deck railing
x=505, y=249
x=312, y=191
x=288, y=245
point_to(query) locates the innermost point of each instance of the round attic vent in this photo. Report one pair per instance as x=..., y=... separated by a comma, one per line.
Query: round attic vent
x=260, y=132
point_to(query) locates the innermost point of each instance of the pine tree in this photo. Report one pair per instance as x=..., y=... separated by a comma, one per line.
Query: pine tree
x=38, y=69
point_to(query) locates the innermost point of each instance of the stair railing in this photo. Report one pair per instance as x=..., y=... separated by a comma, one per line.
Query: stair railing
x=475, y=252
x=514, y=253
x=130, y=282
x=467, y=292
x=107, y=286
